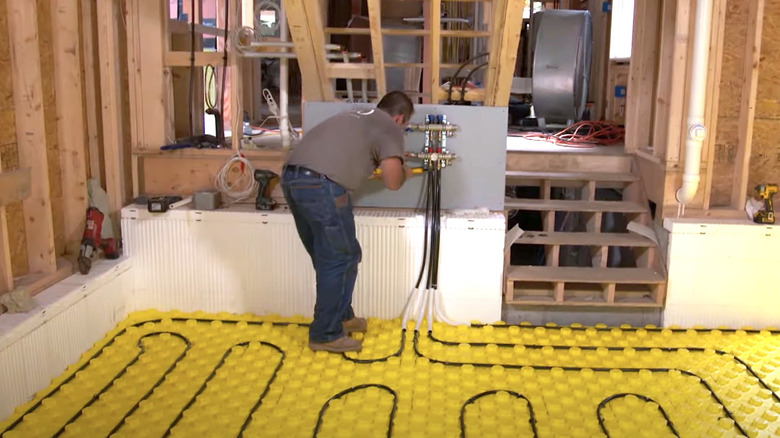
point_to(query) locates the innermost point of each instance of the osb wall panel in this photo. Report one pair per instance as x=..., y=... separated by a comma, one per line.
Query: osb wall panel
x=765, y=152
x=731, y=81
x=8, y=150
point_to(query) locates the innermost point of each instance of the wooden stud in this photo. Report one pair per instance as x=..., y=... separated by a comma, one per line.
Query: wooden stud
x=663, y=97
x=31, y=138
x=558, y=291
x=92, y=107
x=609, y=292
x=6, y=273
x=306, y=31
x=589, y=191
x=597, y=87
x=377, y=48
x=747, y=107
x=713, y=77
x=70, y=118
x=639, y=99
x=677, y=97
x=434, y=60
x=659, y=293
x=110, y=92
x=235, y=67
x=505, y=37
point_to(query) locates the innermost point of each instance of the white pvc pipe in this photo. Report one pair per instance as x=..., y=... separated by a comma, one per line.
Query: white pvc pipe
x=284, y=121
x=421, y=309
x=407, y=307
x=697, y=132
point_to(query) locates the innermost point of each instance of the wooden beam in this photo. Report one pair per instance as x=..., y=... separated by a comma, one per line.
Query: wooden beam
x=719, y=9
x=236, y=82
x=507, y=21
x=6, y=263
x=30, y=129
x=350, y=71
x=182, y=59
x=747, y=106
x=641, y=81
x=675, y=131
x=377, y=48
x=663, y=91
x=110, y=92
x=434, y=22
x=92, y=107
x=70, y=118
x=305, y=23
x=14, y=186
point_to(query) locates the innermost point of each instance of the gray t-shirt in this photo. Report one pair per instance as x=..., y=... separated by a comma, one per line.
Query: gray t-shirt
x=349, y=146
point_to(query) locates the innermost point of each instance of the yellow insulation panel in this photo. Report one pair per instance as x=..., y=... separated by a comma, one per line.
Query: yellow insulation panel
x=202, y=375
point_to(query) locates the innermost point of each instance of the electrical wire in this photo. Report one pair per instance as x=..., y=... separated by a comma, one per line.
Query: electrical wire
x=583, y=134
x=243, y=186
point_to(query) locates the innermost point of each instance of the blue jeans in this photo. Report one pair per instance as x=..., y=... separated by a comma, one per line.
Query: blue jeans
x=326, y=225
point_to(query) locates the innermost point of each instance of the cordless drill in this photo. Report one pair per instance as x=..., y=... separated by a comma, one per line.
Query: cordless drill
x=264, y=177
x=765, y=193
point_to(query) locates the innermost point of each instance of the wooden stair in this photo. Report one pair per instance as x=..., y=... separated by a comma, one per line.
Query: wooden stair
x=640, y=281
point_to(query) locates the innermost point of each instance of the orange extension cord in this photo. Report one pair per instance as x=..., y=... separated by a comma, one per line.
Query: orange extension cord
x=584, y=134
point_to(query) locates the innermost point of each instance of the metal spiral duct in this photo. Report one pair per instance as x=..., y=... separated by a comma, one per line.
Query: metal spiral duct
x=561, y=65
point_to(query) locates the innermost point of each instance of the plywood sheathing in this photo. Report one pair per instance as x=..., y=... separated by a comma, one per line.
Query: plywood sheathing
x=765, y=152
x=765, y=156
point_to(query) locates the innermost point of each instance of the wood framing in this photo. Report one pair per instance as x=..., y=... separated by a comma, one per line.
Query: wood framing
x=377, y=48
x=505, y=37
x=111, y=101
x=713, y=79
x=434, y=48
x=91, y=104
x=639, y=108
x=675, y=132
x=11, y=189
x=747, y=105
x=70, y=118
x=31, y=138
x=305, y=23
x=150, y=82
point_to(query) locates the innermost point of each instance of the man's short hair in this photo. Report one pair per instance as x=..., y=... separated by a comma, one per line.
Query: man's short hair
x=397, y=103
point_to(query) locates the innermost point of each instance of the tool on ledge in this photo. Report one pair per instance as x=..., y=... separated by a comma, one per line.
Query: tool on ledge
x=765, y=193
x=161, y=204
x=91, y=241
x=264, y=177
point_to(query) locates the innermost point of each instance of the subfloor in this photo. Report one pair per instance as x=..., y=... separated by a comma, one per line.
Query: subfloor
x=200, y=375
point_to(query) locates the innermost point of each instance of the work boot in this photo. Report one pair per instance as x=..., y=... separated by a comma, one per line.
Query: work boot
x=354, y=325
x=340, y=345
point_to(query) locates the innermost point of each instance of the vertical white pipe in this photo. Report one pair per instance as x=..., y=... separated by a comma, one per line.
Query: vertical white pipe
x=697, y=132
x=284, y=120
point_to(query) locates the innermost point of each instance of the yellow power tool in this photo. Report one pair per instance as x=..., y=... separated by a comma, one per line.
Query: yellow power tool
x=765, y=193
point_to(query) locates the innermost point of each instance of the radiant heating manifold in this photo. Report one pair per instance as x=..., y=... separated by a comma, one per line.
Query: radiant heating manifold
x=434, y=153
x=435, y=157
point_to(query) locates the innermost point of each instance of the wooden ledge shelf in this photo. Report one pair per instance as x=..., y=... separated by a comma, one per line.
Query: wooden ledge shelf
x=584, y=274
x=580, y=206
x=583, y=238
x=210, y=153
